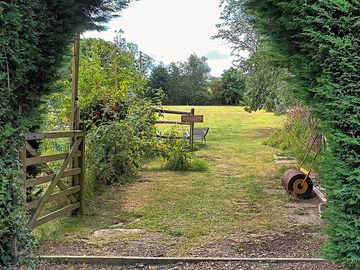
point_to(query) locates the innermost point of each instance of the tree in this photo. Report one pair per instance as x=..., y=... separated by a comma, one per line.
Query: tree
x=268, y=85
x=237, y=30
x=196, y=76
x=183, y=82
x=176, y=82
x=34, y=37
x=159, y=79
x=232, y=88
x=215, y=87
x=320, y=44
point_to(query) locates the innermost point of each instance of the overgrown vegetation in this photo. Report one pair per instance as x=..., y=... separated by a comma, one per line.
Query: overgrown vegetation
x=178, y=155
x=34, y=37
x=319, y=43
x=117, y=148
x=295, y=135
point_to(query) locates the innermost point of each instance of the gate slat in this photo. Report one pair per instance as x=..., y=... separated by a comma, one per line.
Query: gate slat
x=53, y=184
x=59, y=213
x=58, y=196
x=48, y=178
x=54, y=135
x=49, y=158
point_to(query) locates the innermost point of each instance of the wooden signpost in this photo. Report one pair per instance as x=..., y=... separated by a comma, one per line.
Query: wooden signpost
x=192, y=118
x=187, y=118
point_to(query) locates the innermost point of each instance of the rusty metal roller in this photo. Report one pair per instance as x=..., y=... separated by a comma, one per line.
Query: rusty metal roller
x=293, y=182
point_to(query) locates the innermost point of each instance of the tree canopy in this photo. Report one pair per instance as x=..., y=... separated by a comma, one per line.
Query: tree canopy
x=319, y=42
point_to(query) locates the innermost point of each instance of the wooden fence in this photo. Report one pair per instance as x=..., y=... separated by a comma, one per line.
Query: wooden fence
x=190, y=124
x=65, y=185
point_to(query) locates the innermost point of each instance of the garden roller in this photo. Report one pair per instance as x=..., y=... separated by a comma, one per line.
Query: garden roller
x=298, y=181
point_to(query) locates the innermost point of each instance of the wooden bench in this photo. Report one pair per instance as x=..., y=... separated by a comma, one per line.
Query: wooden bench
x=199, y=134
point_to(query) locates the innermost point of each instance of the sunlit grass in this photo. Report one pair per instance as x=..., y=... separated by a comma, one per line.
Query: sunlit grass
x=229, y=198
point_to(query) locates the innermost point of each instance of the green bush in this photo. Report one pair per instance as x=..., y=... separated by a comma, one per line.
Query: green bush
x=114, y=152
x=178, y=156
x=115, y=149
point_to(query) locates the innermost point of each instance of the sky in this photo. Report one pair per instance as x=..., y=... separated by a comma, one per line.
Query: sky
x=171, y=30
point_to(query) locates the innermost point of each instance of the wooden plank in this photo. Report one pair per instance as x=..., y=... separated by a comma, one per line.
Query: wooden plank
x=58, y=196
x=31, y=150
x=168, y=137
x=53, y=184
x=171, y=112
x=56, y=214
x=48, y=178
x=82, y=165
x=192, y=118
x=127, y=260
x=54, y=135
x=320, y=195
x=171, y=122
x=49, y=158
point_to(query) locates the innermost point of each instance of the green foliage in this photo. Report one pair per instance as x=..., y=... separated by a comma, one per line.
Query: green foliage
x=319, y=42
x=117, y=148
x=232, y=87
x=107, y=72
x=34, y=37
x=182, y=83
x=268, y=85
x=178, y=155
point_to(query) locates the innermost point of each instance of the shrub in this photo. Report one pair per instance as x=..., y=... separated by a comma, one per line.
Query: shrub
x=178, y=156
x=117, y=148
x=110, y=153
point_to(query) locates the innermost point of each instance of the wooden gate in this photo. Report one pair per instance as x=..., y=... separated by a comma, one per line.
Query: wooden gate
x=64, y=185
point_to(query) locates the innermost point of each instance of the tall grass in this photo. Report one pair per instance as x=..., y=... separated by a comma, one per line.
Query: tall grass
x=295, y=135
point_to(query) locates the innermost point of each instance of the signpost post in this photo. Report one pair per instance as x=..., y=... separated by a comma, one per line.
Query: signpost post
x=191, y=119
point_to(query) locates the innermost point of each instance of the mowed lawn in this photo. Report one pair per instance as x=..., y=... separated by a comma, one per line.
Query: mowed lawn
x=231, y=198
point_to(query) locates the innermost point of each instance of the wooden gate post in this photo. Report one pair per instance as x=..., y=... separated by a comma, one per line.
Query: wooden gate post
x=83, y=170
x=75, y=112
x=192, y=124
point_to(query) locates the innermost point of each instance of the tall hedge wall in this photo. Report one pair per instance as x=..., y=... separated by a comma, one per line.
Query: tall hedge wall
x=321, y=42
x=34, y=36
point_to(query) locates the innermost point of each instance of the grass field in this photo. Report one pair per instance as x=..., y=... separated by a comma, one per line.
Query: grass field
x=231, y=198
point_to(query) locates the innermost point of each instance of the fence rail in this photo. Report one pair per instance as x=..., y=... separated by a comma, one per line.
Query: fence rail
x=182, y=113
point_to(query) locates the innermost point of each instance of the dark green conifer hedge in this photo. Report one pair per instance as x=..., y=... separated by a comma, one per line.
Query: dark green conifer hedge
x=321, y=42
x=34, y=36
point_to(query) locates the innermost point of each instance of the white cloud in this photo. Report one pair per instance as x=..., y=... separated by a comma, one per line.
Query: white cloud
x=170, y=30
